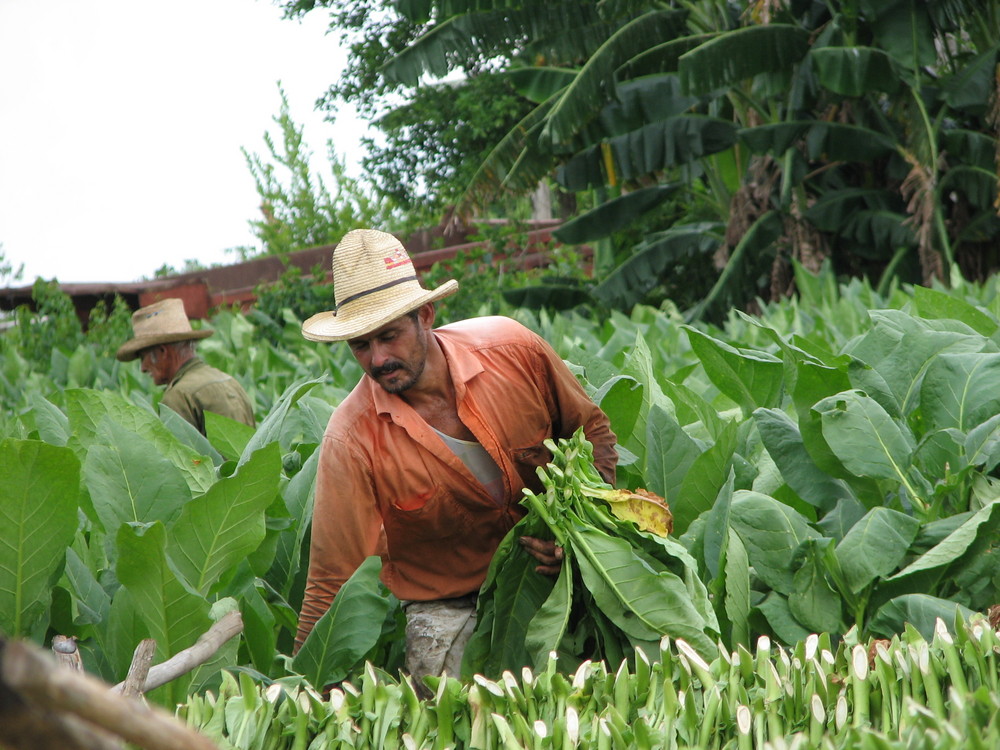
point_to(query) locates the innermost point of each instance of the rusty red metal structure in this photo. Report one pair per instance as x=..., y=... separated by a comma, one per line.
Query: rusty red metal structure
x=235, y=285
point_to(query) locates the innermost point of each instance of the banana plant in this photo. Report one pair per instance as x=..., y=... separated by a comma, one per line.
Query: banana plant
x=856, y=132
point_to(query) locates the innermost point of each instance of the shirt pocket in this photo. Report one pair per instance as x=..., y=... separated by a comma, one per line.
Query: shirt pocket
x=431, y=515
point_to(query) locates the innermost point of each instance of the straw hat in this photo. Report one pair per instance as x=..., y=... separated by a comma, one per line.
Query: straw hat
x=163, y=322
x=374, y=283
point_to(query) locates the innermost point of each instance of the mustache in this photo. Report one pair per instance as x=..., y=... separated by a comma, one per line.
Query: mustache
x=387, y=368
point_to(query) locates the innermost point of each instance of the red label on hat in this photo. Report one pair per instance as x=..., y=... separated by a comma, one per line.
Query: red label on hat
x=397, y=259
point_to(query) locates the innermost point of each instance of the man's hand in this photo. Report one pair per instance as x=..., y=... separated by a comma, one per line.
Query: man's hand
x=546, y=552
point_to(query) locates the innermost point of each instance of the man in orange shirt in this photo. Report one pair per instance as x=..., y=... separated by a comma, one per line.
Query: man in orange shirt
x=425, y=460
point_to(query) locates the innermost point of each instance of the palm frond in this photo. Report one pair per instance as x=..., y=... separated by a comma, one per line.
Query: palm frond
x=459, y=39
x=662, y=57
x=855, y=71
x=614, y=215
x=741, y=54
x=594, y=85
x=653, y=259
x=830, y=141
x=539, y=84
x=650, y=149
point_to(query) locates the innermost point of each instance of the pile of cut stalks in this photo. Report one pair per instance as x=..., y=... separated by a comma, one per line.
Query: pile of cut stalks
x=905, y=693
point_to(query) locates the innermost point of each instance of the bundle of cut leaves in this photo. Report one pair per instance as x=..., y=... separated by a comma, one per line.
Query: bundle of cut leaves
x=623, y=584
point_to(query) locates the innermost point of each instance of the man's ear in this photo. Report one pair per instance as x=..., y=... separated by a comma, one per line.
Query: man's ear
x=427, y=315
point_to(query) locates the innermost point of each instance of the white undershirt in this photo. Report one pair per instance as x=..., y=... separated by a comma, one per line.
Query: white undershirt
x=479, y=462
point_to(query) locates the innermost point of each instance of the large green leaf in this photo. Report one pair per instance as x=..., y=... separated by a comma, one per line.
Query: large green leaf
x=901, y=347
x=550, y=623
x=855, y=71
x=87, y=409
x=960, y=391
x=982, y=444
x=771, y=532
x=704, y=480
x=51, y=423
x=90, y=598
x=779, y=616
x=935, y=303
x=639, y=365
x=581, y=100
x=783, y=441
x=741, y=54
x=670, y=454
x=654, y=259
x=716, y=536
x=750, y=378
x=813, y=602
x=904, y=30
x=174, y=615
x=298, y=497
x=614, y=215
x=220, y=528
x=271, y=429
x=639, y=102
x=540, y=83
x=130, y=481
x=348, y=630
x=646, y=151
x=919, y=610
x=864, y=437
x=737, y=590
x=520, y=593
x=620, y=398
x=643, y=602
x=977, y=184
x=227, y=436
x=953, y=546
x=875, y=546
x=38, y=518
x=972, y=87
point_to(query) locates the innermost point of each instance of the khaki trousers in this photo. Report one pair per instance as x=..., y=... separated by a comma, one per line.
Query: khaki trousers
x=436, y=635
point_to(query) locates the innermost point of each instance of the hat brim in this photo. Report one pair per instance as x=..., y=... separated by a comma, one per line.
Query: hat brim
x=131, y=348
x=367, y=317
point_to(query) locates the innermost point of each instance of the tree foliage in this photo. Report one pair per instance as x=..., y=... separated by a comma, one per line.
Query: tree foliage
x=298, y=210
x=862, y=132
x=433, y=132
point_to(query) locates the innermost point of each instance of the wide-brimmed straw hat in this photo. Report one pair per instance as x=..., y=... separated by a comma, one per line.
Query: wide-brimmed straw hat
x=163, y=322
x=374, y=283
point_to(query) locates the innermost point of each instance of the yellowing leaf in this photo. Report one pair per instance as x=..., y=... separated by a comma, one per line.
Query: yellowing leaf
x=647, y=510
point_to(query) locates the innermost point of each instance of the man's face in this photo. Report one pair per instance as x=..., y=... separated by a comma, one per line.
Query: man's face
x=394, y=356
x=154, y=361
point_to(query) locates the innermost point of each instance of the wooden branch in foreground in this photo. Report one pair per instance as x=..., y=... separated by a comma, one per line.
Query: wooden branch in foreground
x=138, y=671
x=34, y=677
x=228, y=626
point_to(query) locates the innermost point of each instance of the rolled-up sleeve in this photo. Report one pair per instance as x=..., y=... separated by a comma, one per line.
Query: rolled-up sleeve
x=346, y=529
x=574, y=408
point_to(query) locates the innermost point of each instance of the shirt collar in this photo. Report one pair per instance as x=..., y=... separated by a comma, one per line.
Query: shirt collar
x=184, y=368
x=462, y=364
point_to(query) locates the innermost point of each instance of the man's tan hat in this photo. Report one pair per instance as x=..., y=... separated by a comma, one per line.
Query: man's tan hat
x=374, y=283
x=163, y=322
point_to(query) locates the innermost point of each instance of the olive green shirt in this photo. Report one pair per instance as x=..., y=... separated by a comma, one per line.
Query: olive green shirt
x=198, y=387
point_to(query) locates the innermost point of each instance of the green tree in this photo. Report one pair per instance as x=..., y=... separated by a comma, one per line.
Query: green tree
x=435, y=131
x=299, y=211
x=724, y=142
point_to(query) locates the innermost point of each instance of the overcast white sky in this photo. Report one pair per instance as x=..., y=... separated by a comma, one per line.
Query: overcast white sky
x=121, y=123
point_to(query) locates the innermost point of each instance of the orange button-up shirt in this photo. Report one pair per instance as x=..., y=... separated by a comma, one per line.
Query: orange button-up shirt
x=383, y=469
